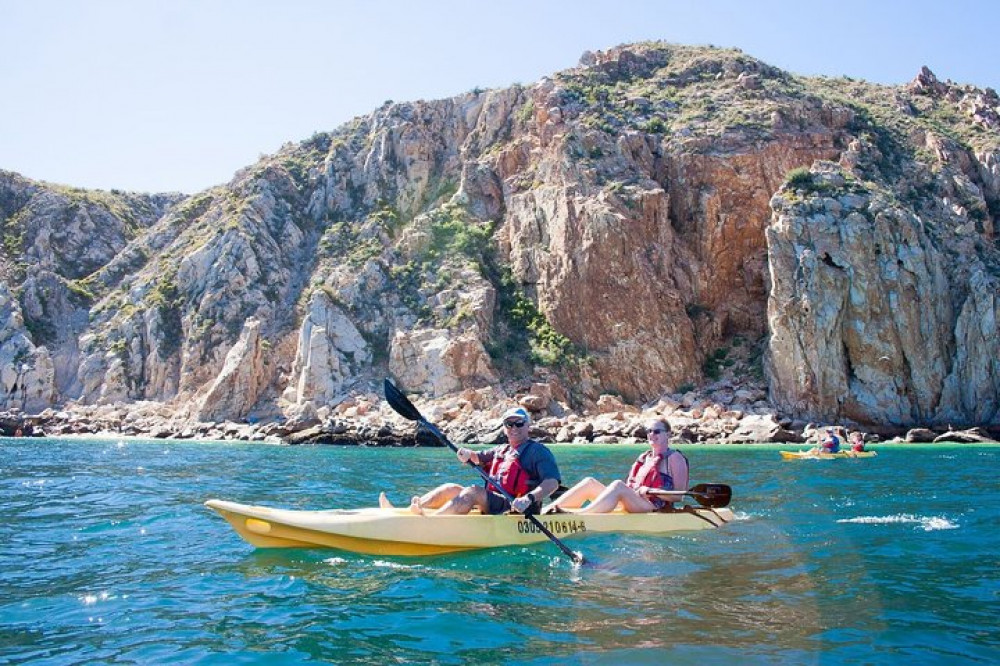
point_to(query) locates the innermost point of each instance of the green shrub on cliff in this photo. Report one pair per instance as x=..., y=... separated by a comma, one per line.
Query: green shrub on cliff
x=454, y=232
x=523, y=331
x=167, y=299
x=800, y=178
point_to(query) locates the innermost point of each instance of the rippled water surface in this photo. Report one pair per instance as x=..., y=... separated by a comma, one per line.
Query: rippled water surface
x=108, y=556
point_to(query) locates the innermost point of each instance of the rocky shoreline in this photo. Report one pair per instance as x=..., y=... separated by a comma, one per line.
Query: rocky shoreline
x=722, y=414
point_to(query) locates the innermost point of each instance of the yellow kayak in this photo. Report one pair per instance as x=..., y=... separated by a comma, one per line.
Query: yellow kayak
x=396, y=531
x=809, y=455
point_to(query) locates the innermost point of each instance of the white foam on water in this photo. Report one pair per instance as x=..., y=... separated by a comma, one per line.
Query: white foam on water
x=939, y=523
x=927, y=523
x=392, y=565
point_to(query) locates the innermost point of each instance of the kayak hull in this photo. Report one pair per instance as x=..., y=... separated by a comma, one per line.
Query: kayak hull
x=807, y=455
x=396, y=531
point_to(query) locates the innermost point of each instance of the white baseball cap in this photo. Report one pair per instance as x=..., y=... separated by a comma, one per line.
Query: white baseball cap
x=517, y=413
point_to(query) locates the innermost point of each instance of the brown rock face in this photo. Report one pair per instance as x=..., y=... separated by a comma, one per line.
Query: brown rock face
x=651, y=276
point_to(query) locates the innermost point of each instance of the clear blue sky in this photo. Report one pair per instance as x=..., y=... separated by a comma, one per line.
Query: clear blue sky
x=176, y=95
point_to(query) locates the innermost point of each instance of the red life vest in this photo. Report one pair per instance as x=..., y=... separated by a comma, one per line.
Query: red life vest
x=506, y=468
x=646, y=472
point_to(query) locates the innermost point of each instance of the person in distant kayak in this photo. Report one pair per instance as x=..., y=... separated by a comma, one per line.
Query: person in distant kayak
x=526, y=469
x=660, y=468
x=857, y=442
x=831, y=443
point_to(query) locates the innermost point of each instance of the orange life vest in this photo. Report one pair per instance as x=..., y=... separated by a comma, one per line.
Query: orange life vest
x=506, y=468
x=646, y=472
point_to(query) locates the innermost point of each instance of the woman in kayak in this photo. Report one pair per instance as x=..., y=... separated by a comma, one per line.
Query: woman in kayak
x=660, y=468
x=526, y=469
x=857, y=442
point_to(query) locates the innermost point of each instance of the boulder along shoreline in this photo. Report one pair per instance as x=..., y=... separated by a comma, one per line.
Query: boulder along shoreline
x=727, y=414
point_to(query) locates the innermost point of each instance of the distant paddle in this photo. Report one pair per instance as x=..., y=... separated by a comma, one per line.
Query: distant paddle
x=712, y=495
x=402, y=405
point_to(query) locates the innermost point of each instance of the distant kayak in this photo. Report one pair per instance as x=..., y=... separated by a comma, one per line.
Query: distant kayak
x=396, y=531
x=808, y=455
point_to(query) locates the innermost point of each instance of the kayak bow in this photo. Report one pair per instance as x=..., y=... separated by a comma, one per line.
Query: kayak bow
x=396, y=531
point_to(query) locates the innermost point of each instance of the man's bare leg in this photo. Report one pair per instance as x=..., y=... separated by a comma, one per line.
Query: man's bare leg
x=435, y=498
x=463, y=502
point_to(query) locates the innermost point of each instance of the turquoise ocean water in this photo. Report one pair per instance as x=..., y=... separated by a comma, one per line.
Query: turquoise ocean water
x=108, y=556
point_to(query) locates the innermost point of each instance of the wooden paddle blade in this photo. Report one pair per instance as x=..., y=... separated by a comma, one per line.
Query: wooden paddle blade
x=713, y=495
x=400, y=403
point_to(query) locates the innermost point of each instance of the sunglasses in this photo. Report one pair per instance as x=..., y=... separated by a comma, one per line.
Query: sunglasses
x=513, y=424
x=657, y=431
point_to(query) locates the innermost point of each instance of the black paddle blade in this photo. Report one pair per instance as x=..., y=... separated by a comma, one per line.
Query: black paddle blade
x=713, y=495
x=400, y=403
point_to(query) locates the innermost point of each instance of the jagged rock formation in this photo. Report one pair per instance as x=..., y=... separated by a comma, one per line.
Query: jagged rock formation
x=873, y=316
x=637, y=225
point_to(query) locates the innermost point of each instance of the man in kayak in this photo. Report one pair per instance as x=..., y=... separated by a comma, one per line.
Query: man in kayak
x=526, y=469
x=832, y=443
x=829, y=444
x=660, y=468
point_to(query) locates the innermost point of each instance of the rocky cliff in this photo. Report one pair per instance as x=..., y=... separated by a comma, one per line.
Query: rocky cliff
x=645, y=224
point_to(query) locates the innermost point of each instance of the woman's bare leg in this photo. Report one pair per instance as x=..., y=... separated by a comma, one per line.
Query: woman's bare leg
x=618, y=493
x=584, y=491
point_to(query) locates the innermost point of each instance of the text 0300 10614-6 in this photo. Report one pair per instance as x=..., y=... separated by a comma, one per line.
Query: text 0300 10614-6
x=554, y=526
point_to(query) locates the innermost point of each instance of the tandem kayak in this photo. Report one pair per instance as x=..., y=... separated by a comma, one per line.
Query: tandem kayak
x=809, y=455
x=396, y=531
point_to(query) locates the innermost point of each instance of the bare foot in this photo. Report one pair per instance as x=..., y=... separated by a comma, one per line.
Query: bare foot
x=415, y=506
x=383, y=501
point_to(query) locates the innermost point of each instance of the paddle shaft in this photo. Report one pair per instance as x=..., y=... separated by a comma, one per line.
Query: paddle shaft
x=576, y=557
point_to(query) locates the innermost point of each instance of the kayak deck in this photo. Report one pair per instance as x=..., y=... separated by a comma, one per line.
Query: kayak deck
x=396, y=531
x=808, y=455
